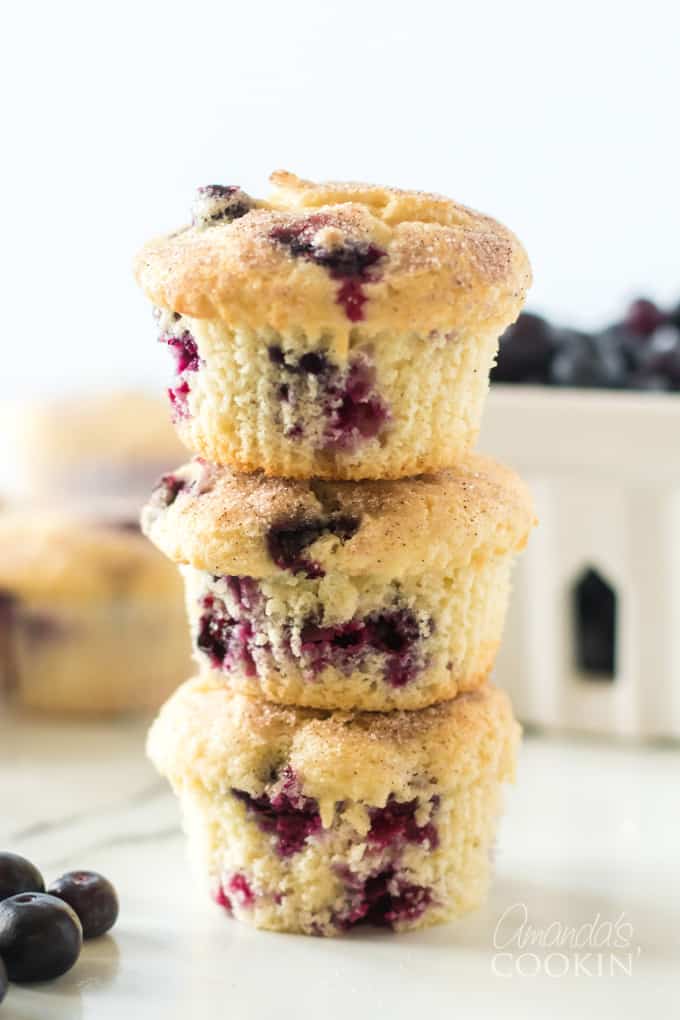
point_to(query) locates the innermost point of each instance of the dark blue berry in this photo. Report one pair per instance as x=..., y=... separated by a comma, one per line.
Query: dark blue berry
x=17, y=875
x=40, y=936
x=92, y=897
x=287, y=540
x=643, y=317
x=168, y=489
x=586, y=361
x=217, y=202
x=662, y=357
x=313, y=364
x=352, y=263
x=276, y=355
x=525, y=351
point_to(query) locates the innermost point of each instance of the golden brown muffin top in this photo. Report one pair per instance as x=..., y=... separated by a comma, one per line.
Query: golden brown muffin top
x=326, y=258
x=227, y=523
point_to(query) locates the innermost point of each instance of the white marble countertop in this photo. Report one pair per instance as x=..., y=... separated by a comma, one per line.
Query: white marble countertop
x=592, y=832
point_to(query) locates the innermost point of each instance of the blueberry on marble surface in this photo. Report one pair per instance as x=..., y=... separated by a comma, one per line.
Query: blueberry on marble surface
x=18, y=875
x=92, y=897
x=40, y=936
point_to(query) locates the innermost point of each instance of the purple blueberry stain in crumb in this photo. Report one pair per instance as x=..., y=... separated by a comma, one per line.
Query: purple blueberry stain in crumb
x=219, y=203
x=227, y=642
x=245, y=591
x=395, y=633
x=384, y=900
x=287, y=541
x=232, y=635
x=179, y=399
x=167, y=490
x=187, y=359
x=349, y=401
x=241, y=891
x=352, y=262
x=323, y=646
x=8, y=603
x=396, y=823
x=185, y=350
x=41, y=628
x=288, y=816
x=358, y=413
x=222, y=900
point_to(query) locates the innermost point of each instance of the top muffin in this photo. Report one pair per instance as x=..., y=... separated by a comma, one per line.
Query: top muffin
x=339, y=330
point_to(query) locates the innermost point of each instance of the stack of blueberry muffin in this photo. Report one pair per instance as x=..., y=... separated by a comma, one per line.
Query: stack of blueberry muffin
x=346, y=557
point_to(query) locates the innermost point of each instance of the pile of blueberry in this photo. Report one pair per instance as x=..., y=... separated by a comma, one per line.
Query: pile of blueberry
x=42, y=932
x=641, y=352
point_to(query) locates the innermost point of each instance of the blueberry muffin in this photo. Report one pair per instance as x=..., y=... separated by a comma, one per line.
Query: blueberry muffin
x=370, y=595
x=294, y=836
x=336, y=330
x=91, y=617
x=97, y=454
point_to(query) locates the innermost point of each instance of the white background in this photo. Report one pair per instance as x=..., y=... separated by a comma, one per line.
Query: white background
x=560, y=119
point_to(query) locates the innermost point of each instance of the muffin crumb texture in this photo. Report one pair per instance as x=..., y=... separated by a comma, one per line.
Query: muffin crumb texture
x=316, y=822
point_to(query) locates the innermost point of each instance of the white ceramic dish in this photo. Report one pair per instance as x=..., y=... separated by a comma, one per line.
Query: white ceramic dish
x=604, y=468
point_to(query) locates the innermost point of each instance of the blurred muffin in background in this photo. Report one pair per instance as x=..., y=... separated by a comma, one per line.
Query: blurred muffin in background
x=91, y=616
x=98, y=454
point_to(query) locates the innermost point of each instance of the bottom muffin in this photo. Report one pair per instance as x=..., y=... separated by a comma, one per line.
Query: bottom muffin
x=314, y=821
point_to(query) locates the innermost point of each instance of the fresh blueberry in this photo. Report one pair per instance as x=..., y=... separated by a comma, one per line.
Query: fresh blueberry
x=612, y=358
x=649, y=381
x=643, y=317
x=17, y=875
x=586, y=361
x=40, y=936
x=525, y=351
x=662, y=357
x=92, y=897
x=622, y=343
